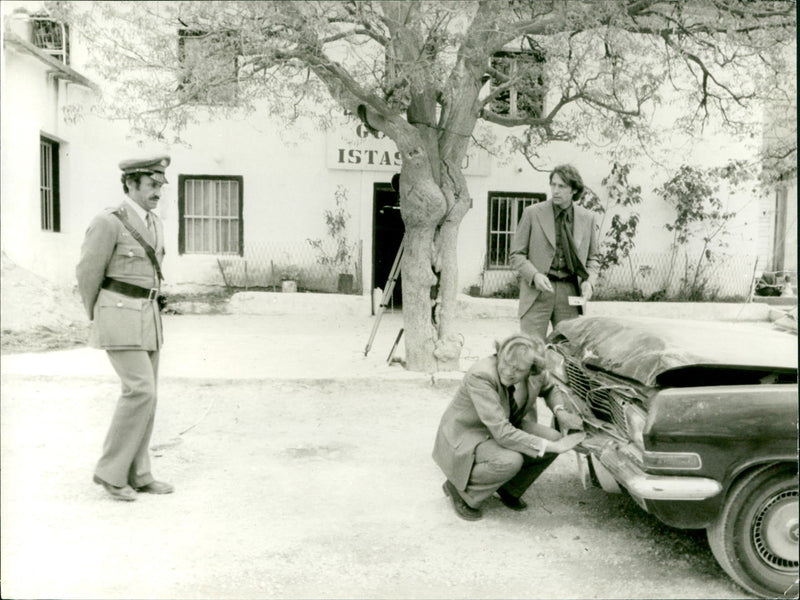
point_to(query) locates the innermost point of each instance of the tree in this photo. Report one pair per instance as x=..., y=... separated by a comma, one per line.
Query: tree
x=699, y=214
x=618, y=238
x=427, y=73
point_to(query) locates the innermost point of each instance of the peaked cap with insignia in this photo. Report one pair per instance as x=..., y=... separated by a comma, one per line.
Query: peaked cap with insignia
x=154, y=166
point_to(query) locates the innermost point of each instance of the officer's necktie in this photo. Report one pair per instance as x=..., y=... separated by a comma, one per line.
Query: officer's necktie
x=151, y=227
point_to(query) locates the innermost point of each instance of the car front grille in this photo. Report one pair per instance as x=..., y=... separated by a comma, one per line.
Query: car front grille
x=606, y=397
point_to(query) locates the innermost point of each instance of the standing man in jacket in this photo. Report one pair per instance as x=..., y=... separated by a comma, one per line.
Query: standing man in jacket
x=119, y=279
x=555, y=252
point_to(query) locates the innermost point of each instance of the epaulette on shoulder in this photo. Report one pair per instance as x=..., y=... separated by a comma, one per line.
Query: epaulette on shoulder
x=108, y=216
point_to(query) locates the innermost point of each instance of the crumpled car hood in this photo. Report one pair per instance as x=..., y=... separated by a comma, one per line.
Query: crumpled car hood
x=642, y=348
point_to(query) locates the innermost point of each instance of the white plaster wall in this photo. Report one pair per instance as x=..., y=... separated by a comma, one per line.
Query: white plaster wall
x=286, y=186
x=516, y=175
x=287, y=183
x=33, y=105
x=29, y=109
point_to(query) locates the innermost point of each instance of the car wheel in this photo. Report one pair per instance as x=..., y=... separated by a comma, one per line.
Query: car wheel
x=755, y=537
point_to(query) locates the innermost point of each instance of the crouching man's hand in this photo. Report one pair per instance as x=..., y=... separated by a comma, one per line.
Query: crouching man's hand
x=568, y=442
x=566, y=419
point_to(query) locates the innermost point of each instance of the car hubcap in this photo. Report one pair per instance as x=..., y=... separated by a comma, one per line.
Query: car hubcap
x=775, y=531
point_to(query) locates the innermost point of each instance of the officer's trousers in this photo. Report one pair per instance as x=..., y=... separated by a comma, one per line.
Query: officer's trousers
x=126, y=459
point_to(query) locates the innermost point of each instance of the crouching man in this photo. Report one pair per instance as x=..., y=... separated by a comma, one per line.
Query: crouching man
x=489, y=439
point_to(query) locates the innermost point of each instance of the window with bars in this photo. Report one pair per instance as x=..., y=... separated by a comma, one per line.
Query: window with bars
x=525, y=71
x=210, y=214
x=505, y=210
x=52, y=37
x=49, y=199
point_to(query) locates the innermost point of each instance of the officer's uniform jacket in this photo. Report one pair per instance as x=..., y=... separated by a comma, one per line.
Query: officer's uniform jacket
x=534, y=247
x=480, y=411
x=120, y=322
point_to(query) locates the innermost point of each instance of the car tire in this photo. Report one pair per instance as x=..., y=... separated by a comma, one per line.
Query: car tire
x=754, y=538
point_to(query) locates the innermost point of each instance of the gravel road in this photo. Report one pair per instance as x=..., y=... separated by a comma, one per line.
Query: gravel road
x=305, y=489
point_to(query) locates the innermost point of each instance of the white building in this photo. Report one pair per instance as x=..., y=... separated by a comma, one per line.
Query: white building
x=271, y=187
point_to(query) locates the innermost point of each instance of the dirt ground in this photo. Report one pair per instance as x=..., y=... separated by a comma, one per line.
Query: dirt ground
x=306, y=489
x=37, y=315
x=294, y=482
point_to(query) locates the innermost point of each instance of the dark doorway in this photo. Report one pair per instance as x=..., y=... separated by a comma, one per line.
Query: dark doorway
x=388, y=231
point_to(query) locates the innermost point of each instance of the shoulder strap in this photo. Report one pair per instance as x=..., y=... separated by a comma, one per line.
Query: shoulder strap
x=151, y=254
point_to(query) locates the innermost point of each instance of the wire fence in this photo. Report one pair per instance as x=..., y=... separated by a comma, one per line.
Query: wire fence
x=679, y=275
x=268, y=265
x=641, y=276
x=651, y=276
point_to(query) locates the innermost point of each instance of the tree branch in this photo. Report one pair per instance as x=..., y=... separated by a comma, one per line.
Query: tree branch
x=383, y=41
x=727, y=7
x=706, y=74
x=543, y=122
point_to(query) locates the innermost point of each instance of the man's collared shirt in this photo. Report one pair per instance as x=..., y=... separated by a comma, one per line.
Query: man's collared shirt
x=148, y=217
x=142, y=213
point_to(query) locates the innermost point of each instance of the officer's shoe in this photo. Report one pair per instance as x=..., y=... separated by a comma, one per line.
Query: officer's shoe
x=156, y=487
x=511, y=501
x=463, y=510
x=125, y=493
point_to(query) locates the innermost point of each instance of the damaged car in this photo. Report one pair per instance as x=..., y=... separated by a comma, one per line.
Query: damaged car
x=698, y=423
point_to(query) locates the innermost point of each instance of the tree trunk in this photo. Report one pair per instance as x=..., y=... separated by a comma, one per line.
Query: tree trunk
x=417, y=304
x=430, y=258
x=449, y=341
x=422, y=205
x=433, y=201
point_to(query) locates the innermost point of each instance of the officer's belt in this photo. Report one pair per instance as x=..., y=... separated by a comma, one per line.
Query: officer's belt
x=128, y=289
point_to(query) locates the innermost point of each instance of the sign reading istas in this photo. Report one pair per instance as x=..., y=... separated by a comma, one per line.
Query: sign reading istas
x=356, y=149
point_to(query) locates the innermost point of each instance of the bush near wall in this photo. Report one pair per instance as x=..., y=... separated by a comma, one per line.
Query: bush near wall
x=265, y=265
x=651, y=277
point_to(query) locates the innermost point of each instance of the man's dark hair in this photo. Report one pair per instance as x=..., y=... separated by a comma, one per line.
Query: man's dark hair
x=571, y=177
x=135, y=177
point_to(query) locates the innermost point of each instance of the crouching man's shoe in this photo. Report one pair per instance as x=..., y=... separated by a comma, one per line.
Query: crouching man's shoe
x=463, y=510
x=125, y=493
x=156, y=487
x=512, y=502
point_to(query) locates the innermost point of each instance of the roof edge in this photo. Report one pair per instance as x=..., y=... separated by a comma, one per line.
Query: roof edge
x=63, y=71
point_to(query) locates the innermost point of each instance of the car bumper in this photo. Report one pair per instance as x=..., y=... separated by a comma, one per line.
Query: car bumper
x=618, y=459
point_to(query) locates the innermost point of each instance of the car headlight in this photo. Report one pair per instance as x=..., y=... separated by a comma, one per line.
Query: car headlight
x=635, y=420
x=674, y=461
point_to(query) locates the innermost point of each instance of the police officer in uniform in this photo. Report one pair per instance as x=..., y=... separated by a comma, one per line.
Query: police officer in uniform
x=119, y=277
